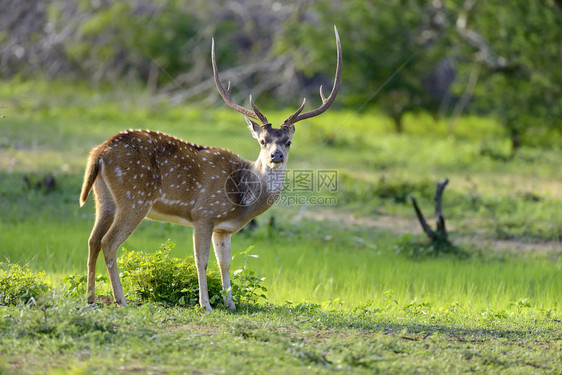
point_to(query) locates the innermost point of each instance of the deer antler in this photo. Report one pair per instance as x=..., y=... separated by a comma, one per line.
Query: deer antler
x=255, y=114
x=326, y=102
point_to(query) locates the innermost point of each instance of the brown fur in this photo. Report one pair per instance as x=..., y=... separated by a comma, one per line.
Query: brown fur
x=145, y=174
x=92, y=170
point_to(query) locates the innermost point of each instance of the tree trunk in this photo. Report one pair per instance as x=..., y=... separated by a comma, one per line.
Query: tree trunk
x=398, y=125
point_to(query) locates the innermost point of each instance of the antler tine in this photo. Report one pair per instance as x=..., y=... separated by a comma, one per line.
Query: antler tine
x=225, y=94
x=294, y=115
x=260, y=115
x=321, y=95
x=326, y=102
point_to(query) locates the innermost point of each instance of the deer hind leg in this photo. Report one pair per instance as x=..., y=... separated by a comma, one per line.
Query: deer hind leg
x=125, y=222
x=221, y=244
x=202, y=234
x=105, y=213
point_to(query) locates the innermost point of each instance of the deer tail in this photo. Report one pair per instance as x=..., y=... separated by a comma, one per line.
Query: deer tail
x=92, y=170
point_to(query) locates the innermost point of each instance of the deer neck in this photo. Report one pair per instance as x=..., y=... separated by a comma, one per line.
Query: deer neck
x=271, y=178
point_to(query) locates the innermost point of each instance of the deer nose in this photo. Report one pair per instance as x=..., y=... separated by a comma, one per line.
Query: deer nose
x=277, y=157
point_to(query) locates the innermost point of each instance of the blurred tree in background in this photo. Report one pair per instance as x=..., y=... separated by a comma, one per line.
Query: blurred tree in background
x=444, y=57
x=521, y=53
x=391, y=53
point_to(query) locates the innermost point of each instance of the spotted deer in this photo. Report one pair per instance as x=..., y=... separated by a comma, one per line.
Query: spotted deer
x=141, y=174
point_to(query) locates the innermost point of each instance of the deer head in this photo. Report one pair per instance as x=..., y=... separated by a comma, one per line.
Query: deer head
x=275, y=143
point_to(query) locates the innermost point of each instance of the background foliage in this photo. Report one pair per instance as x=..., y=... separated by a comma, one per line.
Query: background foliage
x=443, y=57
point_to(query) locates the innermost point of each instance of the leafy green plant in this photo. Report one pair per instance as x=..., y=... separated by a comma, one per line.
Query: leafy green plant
x=521, y=303
x=75, y=285
x=160, y=278
x=415, y=307
x=19, y=285
x=303, y=307
x=247, y=287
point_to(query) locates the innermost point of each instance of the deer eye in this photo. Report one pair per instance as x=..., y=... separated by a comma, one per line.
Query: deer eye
x=262, y=142
x=288, y=143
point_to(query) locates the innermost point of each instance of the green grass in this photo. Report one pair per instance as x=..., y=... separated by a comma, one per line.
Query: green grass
x=312, y=261
x=344, y=291
x=288, y=338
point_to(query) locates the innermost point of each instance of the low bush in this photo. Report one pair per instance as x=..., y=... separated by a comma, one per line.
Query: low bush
x=160, y=278
x=157, y=277
x=18, y=285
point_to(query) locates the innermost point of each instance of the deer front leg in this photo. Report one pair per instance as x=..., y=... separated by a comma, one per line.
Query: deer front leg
x=221, y=244
x=202, y=234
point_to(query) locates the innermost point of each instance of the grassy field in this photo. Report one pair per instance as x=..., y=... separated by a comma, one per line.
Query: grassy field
x=351, y=284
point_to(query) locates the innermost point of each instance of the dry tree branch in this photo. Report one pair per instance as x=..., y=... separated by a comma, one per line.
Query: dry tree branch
x=426, y=228
x=439, y=218
x=441, y=232
x=176, y=92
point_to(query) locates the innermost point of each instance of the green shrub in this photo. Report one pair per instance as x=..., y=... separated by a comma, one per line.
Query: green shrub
x=75, y=285
x=160, y=278
x=157, y=277
x=20, y=285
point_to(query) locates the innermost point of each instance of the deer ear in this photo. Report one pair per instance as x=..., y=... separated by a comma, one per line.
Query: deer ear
x=255, y=128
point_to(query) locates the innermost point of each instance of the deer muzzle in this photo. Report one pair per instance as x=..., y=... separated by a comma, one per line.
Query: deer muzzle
x=277, y=157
